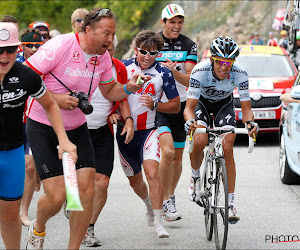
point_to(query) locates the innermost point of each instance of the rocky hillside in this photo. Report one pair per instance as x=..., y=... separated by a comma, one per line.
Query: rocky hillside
x=205, y=20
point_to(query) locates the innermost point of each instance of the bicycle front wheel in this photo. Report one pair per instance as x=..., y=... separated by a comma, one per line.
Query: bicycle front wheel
x=220, y=215
x=207, y=180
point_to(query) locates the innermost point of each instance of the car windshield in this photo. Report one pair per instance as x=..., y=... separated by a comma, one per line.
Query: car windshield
x=265, y=65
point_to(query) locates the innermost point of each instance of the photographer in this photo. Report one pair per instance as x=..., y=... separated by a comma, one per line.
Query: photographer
x=76, y=63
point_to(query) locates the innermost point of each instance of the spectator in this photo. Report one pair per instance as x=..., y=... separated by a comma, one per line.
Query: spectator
x=43, y=27
x=257, y=40
x=251, y=38
x=283, y=41
x=273, y=41
x=77, y=19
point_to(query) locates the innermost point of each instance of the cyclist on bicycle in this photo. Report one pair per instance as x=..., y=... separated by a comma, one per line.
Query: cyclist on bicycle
x=210, y=91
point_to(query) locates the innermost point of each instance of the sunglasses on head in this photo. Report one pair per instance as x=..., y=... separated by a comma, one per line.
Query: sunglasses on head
x=9, y=49
x=223, y=61
x=31, y=45
x=79, y=19
x=145, y=52
x=102, y=12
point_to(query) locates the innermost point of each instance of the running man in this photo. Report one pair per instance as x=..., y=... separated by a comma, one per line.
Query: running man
x=211, y=85
x=144, y=147
x=17, y=83
x=79, y=62
x=179, y=54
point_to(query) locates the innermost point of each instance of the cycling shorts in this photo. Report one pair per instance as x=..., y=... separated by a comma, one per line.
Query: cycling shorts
x=143, y=146
x=26, y=144
x=174, y=124
x=223, y=112
x=44, y=142
x=103, y=143
x=12, y=174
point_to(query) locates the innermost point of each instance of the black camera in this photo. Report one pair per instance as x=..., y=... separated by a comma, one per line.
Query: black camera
x=84, y=104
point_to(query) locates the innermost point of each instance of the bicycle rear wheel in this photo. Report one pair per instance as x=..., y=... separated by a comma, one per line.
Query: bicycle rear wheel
x=207, y=180
x=220, y=215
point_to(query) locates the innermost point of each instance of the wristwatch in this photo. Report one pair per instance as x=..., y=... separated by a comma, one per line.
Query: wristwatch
x=155, y=106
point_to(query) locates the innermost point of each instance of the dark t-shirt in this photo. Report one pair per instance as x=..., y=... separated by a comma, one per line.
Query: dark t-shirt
x=18, y=84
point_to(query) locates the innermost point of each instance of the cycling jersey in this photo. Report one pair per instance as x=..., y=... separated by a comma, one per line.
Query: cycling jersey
x=18, y=84
x=64, y=57
x=162, y=80
x=181, y=50
x=202, y=82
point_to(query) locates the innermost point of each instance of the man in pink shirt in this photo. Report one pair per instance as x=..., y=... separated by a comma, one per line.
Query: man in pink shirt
x=72, y=63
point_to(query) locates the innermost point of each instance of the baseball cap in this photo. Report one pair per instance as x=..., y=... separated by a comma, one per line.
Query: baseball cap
x=41, y=25
x=171, y=11
x=32, y=37
x=9, y=35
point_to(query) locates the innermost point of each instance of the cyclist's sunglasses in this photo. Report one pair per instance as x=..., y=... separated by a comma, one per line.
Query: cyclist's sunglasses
x=79, y=19
x=145, y=52
x=9, y=49
x=102, y=12
x=223, y=61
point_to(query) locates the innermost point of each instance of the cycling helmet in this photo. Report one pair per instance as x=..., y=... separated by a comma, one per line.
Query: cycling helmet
x=224, y=47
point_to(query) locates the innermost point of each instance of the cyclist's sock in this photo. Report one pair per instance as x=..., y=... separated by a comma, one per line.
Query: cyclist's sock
x=147, y=202
x=230, y=199
x=195, y=173
x=157, y=216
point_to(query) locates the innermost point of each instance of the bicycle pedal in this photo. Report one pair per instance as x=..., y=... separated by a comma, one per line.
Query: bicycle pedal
x=199, y=203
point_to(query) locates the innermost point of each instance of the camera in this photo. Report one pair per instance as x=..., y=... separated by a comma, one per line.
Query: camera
x=84, y=104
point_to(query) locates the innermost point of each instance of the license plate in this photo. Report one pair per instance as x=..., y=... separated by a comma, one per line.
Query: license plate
x=260, y=115
x=264, y=114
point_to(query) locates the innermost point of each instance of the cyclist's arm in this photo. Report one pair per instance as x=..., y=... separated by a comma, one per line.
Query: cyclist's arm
x=286, y=97
x=246, y=111
x=190, y=106
x=172, y=106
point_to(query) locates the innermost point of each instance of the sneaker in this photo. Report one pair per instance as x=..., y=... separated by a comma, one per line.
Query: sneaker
x=66, y=212
x=89, y=239
x=233, y=215
x=170, y=212
x=35, y=239
x=194, y=189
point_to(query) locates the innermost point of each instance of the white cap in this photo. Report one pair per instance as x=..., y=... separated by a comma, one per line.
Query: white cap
x=9, y=35
x=171, y=11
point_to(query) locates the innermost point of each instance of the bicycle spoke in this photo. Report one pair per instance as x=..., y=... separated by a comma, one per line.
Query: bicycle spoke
x=221, y=202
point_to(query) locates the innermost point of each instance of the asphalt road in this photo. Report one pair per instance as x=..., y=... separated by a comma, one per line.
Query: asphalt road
x=269, y=210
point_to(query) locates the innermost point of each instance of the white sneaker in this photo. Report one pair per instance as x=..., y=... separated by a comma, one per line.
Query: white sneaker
x=194, y=189
x=89, y=239
x=170, y=212
x=150, y=217
x=35, y=241
x=161, y=231
x=66, y=212
x=233, y=215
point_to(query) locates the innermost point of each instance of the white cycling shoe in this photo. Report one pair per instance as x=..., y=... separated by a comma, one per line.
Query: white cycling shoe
x=232, y=215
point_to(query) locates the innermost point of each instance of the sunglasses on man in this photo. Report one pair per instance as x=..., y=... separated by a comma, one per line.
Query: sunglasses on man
x=30, y=45
x=146, y=52
x=102, y=12
x=9, y=49
x=223, y=61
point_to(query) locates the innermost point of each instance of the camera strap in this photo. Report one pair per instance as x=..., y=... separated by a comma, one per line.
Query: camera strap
x=71, y=90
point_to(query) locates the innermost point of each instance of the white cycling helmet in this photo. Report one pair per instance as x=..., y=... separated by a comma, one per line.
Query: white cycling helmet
x=224, y=47
x=172, y=10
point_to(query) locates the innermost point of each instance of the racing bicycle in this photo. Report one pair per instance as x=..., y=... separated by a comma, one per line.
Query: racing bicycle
x=214, y=183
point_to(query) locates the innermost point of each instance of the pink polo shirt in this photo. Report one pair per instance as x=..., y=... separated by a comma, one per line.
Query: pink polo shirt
x=63, y=57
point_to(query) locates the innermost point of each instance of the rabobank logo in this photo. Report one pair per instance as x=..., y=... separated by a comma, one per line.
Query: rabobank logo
x=83, y=73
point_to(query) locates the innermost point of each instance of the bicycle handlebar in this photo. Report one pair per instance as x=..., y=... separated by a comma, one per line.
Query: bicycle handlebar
x=220, y=130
